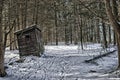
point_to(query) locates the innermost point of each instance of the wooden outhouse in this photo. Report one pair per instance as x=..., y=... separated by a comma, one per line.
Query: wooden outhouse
x=30, y=41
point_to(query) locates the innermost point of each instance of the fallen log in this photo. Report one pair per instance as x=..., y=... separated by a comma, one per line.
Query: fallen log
x=99, y=56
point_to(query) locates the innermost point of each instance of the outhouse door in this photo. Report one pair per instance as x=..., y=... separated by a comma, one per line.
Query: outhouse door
x=28, y=43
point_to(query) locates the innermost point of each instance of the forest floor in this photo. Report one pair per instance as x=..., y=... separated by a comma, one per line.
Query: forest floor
x=62, y=63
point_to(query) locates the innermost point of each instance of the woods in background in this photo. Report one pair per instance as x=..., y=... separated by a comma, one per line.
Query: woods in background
x=67, y=21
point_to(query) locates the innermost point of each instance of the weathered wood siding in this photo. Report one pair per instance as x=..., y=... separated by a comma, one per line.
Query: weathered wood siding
x=27, y=45
x=30, y=42
x=40, y=46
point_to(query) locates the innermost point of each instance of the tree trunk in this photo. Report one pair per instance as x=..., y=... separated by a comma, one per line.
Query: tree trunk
x=56, y=23
x=114, y=24
x=97, y=31
x=2, y=70
x=80, y=33
x=104, y=35
x=109, y=34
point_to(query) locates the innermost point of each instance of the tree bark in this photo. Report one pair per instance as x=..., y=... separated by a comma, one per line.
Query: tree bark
x=2, y=70
x=56, y=24
x=114, y=24
x=104, y=35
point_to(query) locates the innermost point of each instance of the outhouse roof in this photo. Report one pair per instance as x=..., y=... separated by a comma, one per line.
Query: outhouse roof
x=27, y=29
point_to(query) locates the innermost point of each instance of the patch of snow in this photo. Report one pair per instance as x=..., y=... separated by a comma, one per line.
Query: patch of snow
x=61, y=62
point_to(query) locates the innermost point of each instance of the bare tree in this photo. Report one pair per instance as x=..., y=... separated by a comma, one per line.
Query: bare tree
x=115, y=25
x=2, y=70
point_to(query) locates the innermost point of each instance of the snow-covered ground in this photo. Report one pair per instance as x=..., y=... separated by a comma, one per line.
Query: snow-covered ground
x=62, y=63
